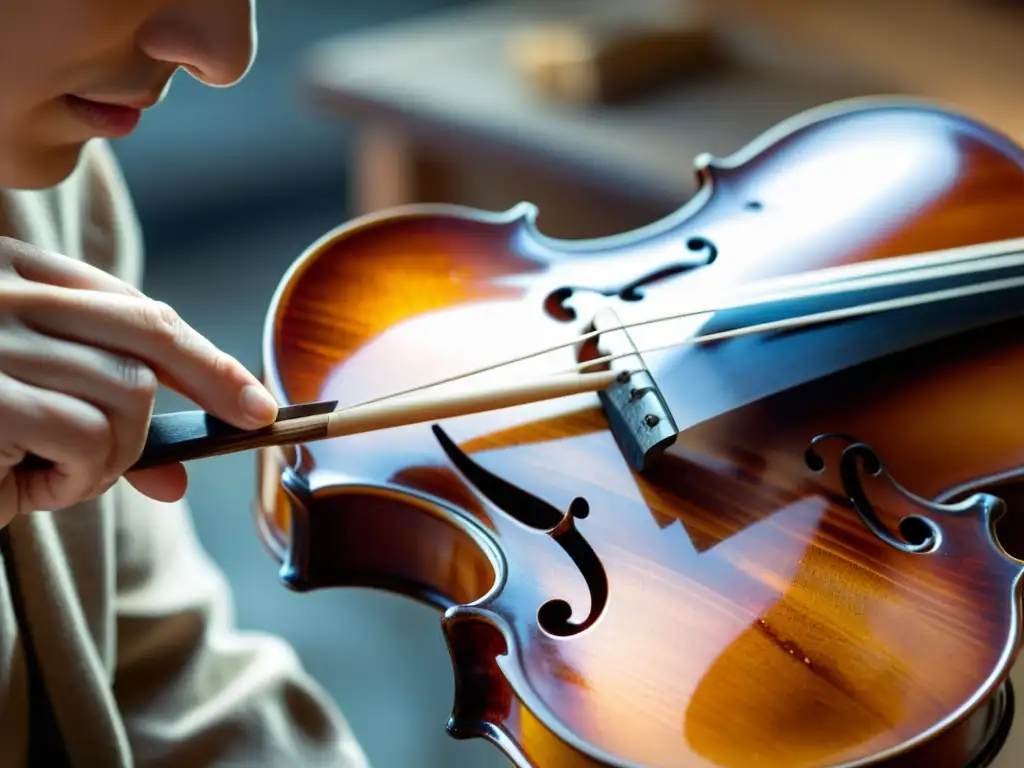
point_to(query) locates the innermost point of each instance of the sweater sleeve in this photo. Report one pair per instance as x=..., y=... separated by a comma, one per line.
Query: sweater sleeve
x=193, y=688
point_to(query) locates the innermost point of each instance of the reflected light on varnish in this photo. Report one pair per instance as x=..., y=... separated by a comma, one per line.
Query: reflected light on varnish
x=647, y=667
x=873, y=183
x=849, y=190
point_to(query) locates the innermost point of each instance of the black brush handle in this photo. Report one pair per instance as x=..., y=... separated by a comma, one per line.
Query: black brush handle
x=188, y=435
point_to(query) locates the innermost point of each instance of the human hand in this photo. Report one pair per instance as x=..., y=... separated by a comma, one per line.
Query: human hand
x=82, y=355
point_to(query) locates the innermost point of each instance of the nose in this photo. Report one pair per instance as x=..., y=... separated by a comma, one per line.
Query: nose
x=213, y=40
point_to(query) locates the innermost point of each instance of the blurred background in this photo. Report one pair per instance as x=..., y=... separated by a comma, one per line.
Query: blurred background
x=592, y=110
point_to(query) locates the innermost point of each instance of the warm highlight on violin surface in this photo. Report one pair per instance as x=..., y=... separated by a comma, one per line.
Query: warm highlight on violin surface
x=697, y=567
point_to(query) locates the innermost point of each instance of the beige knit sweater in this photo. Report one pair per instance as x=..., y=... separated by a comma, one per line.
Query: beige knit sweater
x=130, y=620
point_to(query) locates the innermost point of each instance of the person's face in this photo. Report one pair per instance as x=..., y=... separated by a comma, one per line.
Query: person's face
x=58, y=58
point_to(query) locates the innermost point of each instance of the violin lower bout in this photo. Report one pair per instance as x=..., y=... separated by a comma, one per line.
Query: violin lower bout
x=806, y=643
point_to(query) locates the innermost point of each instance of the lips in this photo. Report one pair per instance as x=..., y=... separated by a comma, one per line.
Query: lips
x=110, y=120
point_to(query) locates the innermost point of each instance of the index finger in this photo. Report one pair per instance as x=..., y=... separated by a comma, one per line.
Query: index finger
x=42, y=266
x=154, y=333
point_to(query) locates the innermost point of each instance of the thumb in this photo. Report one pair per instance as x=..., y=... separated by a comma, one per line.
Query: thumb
x=166, y=483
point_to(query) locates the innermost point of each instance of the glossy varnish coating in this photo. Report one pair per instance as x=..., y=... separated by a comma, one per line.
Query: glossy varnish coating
x=752, y=619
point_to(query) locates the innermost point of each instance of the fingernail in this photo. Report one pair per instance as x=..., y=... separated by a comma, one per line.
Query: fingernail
x=258, y=404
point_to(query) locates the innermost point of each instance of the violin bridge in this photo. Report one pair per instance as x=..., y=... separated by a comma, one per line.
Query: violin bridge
x=637, y=414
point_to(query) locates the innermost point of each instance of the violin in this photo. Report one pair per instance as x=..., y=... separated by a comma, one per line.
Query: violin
x=726, y=490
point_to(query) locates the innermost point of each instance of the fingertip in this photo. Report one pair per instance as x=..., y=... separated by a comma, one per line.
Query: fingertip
x=166, y=484
x=258, y=405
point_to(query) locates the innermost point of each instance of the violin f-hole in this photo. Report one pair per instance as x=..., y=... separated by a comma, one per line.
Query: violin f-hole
x=917, y=534
x=554, y=616
x=556, y=304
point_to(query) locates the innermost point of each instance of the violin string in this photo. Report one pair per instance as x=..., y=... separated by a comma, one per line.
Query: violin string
x=900, y=264
x=817, y=318
x=887, y=276
x=899, y=276
x=805, y=320
x=1016, y=259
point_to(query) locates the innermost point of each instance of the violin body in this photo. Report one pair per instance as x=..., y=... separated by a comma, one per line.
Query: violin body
x=757, y=593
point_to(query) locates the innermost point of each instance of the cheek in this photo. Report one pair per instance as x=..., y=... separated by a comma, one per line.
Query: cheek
x=34, y=51
x=24, y=102
x=29, y=103
x=48, y=47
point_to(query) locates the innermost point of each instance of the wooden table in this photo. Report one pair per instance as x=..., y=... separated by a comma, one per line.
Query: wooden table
x=441, y=116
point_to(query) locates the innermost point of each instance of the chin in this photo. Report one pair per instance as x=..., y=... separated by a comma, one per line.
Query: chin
x=36, y=167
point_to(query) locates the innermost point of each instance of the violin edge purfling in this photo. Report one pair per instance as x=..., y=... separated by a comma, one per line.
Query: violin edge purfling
x=753, y=590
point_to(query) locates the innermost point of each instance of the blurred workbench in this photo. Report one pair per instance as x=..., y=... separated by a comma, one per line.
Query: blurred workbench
x=968, y=54
x=441, y=115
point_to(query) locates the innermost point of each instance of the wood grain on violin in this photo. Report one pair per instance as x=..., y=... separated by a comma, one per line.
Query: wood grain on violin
x=758, y=596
